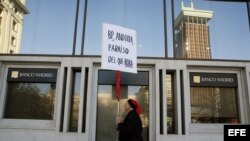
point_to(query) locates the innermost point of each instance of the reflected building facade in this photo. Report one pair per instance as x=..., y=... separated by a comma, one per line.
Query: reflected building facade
x=71, y=98
x=11, y=22
x=192, y=33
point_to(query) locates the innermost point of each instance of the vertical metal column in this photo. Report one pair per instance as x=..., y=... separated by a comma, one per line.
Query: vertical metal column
x=248, y=11
x=84, y=26
x=165, y=29
x=75, y=29
x=173, y=28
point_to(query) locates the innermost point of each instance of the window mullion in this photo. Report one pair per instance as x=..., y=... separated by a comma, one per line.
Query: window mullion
x=67, y=101
x=177, y=100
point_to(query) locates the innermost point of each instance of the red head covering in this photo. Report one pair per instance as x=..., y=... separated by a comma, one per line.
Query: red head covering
x=135, y=106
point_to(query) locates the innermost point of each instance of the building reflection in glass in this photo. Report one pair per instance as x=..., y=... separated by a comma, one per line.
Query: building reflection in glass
x=214, y=105
x=170, y=103
x=107, y=110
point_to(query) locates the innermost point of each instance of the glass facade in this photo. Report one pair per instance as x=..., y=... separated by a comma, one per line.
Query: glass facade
x=30, y=101
x=146, y=20
x=172, y=30
x=211, y=30
x=214, y=105
x=75, y=102
x=170, y=103
x=46, y=30
x=198, y=30
x=107, y=110
x=214, y=97
x=134, y=86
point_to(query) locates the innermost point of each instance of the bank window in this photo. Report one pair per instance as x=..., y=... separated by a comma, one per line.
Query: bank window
x=30, y=101
x=30, y=93
x=75, y=101
x=107, y=111
x=211, y=104
x=170, y=103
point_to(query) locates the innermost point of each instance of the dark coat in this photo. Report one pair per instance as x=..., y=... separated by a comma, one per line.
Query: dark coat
x=131, y=128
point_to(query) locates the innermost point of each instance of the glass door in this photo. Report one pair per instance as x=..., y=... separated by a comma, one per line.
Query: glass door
x=107, y=105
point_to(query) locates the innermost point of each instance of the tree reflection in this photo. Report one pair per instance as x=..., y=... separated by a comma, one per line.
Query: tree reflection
x=30, y=101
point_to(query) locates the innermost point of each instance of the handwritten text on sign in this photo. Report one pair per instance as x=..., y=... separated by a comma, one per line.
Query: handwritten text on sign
x=119, y=48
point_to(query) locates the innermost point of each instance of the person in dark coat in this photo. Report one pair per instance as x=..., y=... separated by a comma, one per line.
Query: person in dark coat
x=130, y=129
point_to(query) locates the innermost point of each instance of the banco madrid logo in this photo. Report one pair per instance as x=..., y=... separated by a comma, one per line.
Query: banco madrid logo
x=14, y=74
x=197, y=79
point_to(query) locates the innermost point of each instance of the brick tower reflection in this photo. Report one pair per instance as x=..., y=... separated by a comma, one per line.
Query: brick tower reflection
x=192, y=33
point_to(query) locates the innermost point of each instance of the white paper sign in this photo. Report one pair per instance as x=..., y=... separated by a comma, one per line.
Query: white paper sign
x=119, y=48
